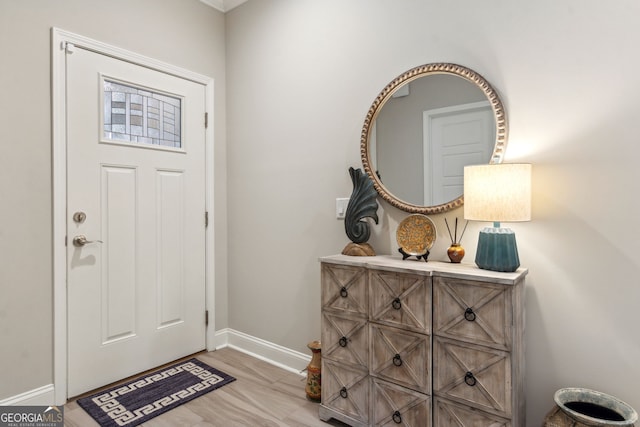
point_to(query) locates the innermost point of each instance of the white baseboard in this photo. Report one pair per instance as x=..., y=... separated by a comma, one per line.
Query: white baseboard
x=286, y=358
x=40, y=396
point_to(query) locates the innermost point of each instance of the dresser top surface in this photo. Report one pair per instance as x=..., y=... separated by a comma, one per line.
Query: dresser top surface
x=465, y=271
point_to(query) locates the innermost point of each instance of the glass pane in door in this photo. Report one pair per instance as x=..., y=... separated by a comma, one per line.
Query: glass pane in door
x=140, y=115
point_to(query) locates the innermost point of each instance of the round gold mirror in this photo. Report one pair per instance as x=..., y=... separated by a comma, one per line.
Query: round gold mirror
x=423, y=128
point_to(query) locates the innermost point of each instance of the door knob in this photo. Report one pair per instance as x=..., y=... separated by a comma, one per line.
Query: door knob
x=81, y=240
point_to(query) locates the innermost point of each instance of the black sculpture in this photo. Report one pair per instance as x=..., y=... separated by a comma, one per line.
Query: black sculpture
x=362, y=204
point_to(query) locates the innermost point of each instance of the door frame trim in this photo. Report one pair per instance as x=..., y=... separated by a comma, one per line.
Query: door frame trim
x=59, y=41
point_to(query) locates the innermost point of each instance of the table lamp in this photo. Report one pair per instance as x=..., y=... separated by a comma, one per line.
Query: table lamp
x=497, y=193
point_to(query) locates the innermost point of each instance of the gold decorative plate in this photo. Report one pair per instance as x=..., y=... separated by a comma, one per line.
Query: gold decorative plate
x=416, y=234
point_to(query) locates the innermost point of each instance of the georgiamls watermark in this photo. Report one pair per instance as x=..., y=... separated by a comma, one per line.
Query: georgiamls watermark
x=31, y=416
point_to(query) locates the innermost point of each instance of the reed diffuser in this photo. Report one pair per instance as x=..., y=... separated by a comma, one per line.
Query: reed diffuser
x=455, y=251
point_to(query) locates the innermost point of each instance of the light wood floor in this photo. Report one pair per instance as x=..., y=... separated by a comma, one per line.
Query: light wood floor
x=262, y=395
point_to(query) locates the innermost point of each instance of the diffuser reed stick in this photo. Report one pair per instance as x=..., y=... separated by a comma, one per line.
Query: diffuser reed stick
x=463, y=230
x=455, y=232
x=454, y=236
x=449, y=230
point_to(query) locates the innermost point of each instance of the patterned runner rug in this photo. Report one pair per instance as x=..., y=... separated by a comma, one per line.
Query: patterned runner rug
x=141, y=399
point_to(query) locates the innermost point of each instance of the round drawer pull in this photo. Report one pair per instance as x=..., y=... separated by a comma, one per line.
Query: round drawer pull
x=469, y=314
x=343, y=342
x=343, y=292
x=397, y=418
x=396, y=304
x=397, y=360
x=470, y=379
x=343, y=392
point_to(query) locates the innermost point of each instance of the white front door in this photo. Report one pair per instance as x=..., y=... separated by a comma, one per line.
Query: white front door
x=455, y=137
x=136, y=192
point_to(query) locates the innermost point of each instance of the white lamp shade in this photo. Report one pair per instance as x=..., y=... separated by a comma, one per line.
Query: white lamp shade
x=497, y=192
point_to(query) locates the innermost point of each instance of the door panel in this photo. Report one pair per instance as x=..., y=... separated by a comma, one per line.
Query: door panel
x=118, y=213
x=170, y=234
x=453, y=138
x=136, y=290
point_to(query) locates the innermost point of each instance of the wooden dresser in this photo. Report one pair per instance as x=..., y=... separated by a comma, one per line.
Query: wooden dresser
x=416, y=343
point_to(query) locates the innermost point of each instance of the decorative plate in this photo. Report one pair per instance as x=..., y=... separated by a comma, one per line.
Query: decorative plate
x=416, y=234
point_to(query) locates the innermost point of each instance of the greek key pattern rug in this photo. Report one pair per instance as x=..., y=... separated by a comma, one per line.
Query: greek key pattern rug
x=144, y=398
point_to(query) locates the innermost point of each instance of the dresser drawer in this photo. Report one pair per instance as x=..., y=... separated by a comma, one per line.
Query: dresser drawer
x=447, y=413
x=345, y=389
x=477, y=312
x=394, y=405
x=400, y=356
x=473, y=375
x=345, y=339
x=402, y=300
x=344, y=288
x=426, y=344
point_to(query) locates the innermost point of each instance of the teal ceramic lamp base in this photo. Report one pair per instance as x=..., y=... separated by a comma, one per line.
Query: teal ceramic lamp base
x=497, y=250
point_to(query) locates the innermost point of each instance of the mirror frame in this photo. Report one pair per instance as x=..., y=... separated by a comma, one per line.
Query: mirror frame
x=413, y=74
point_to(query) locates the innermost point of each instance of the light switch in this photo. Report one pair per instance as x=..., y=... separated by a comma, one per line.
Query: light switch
x=341, y=207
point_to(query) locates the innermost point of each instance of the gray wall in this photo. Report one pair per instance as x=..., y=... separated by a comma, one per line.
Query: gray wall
x=301, y=77
x=187, y=34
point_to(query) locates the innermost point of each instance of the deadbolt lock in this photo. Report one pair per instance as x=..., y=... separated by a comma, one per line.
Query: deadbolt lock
x=79, y=217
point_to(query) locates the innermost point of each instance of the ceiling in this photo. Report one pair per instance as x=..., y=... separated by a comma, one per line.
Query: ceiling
x=223, y=5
